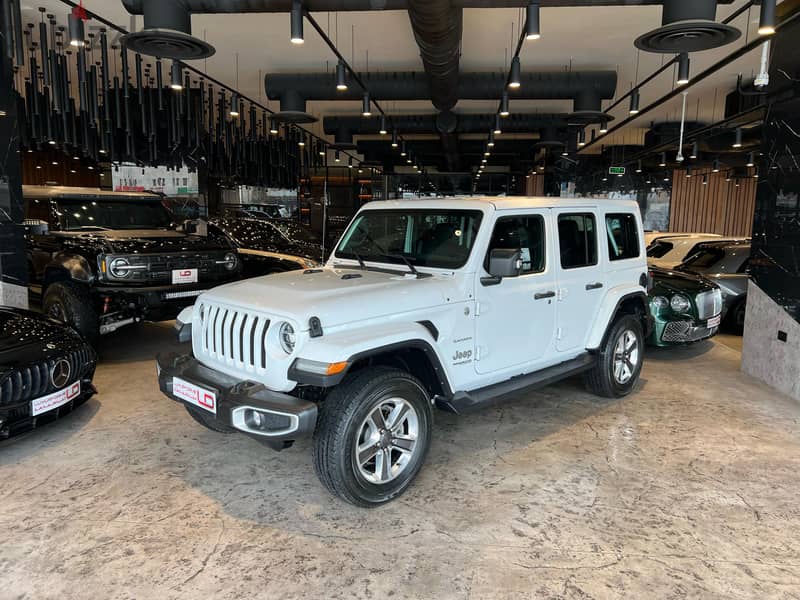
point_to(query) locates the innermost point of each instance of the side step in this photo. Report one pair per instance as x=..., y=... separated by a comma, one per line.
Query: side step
x=465, y=401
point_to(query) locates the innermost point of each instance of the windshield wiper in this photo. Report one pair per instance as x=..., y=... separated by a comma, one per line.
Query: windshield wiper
x=359, y=259
x=411, y=267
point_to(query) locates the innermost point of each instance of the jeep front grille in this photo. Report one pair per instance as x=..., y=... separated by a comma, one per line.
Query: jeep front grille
x=234, y=337
x=709, y=304
x=33, y=381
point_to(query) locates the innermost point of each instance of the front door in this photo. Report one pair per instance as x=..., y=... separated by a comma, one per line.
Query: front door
x=515, y=319
x=580, y=277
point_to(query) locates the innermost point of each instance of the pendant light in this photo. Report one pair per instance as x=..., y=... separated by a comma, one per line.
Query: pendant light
x=394, y=138
x=514, y=82
x=337, y=157
x=322, y=151
x=705, y=179
x=234, y=112
x=350, y=162
x=365, y=106
x=504, y=112
x=490, y=143
x=695, y=150
x=604, y=126
x=581, y=138
x=751, y=159
x=663, y=161
x=176, y=76
x=273, y=126
x=639, y=167
x=297, y=22
x=497, y=129
x=738, y=141
x=383, y=125
x=634, y=108
x=683, y=68
x=766, y=22
x=755, y=175
x=532, y=27
x=403, y=148
x=341, y=76
x=715, y=166
x=688, y=172
x=76, y=36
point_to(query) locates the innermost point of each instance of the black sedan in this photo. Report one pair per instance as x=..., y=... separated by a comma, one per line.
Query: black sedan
x=46, y=370
x=266, y=247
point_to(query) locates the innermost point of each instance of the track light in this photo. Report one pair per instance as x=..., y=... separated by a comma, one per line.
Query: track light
x=75, y=30
x=273, y=126
x=176, y=78
x=751, y=159
x=663, y=161
x=581, y=138
x=728, y=176
x=634, y=108
x=383, y=125
x=755, y=175
x=403, y=148
x=514, y=82
x=234, y=112
x=497, y=129
x=341, y=76
x=738, y=141
x=490, y=143
x=297, y=22
x=394, y=138
x=337, y=157
x=766, y=22
x=604, y=126
x=639, y=167
x=688, y=172
x=365, y=106
x=350, y=162
x=695, y=150
x=705, y=179
x=532, y=27
x=683, y=68
x=504, y=112
x=715, y=166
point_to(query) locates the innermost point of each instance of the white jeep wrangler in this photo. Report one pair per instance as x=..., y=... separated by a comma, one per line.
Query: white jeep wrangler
x=452, y=303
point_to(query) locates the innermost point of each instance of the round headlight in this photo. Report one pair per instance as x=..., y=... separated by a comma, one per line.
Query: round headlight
x=286, y=337
x=680, y=303
x=659, y=303
x=231, y=261
x=117, y=268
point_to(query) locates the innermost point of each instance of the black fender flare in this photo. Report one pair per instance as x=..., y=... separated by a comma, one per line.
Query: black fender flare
x=65, y=266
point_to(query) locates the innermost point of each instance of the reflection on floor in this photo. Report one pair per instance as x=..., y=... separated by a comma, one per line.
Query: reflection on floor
x=687, y=488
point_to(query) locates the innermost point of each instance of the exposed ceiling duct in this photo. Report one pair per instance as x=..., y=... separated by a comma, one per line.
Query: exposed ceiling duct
x=688, y=26
x=433, y=124
x=167, y=31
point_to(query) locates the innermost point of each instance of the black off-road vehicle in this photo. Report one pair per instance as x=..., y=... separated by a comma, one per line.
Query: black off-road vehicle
x=100, y=260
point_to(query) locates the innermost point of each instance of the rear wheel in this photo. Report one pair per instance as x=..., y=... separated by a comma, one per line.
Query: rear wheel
x=619, y=362
x=373, y=432
x=208, y=421
x=70, y=302
x=737, y=316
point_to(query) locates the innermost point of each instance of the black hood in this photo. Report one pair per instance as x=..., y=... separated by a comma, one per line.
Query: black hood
x=27, y=337
x=146, y=241
x=667, y=280
x=250, y=234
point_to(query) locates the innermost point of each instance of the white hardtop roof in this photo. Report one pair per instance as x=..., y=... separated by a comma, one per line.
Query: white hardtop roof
x=498, y=203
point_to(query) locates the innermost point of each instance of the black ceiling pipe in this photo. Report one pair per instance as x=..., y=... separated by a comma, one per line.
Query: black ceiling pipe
x=437, y=27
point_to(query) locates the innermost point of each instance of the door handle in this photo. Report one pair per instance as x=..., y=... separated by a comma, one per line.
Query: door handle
x=543, y=295
x=594, y=286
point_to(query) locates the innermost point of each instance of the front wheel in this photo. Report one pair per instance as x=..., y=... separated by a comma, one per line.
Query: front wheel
x=372, y=435
x=70, y=303
x=619, y=361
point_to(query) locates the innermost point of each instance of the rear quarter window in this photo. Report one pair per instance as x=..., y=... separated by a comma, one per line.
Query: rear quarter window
x=623, y=236
x=659, y=249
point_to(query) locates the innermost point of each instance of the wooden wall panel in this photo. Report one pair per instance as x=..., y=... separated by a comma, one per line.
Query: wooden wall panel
x=717, y=207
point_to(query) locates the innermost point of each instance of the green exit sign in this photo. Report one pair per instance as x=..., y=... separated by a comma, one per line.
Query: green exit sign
x=616, y=170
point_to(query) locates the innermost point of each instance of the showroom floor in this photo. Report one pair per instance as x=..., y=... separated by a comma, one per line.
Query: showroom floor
x=688, y=488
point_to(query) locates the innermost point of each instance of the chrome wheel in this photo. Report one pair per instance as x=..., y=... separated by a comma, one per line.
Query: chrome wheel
x=626, y=356
x=386, y=440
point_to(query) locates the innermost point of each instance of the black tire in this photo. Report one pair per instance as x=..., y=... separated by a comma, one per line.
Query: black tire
x=342, y=416
x=601, y=379
x=737, y=315
x=70, y=302
x=208, y=421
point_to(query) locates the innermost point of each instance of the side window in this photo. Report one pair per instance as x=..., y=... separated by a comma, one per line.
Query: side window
x=523, y=233
x=623, y=236
x=577, y=239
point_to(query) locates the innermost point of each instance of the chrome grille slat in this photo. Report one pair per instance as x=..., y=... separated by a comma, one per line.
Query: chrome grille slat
x=709, y=304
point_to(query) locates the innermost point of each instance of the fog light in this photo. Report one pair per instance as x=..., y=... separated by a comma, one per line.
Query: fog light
x=255, y=419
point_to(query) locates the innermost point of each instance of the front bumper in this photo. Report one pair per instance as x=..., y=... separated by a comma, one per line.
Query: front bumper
x=671, y=332
x=281, y=418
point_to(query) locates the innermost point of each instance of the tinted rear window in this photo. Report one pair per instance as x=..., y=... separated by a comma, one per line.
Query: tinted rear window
x=659, y=249
x=705, y=258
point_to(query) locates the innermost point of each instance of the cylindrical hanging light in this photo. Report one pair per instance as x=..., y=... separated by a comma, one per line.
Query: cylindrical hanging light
x=322, y=151
x=234, y=112
x=639, y=166
x=532, y=26
x=394, y=138
x=705, y=179
x=766, y=22
x=365, y=106
x=336, y=156
x=273, y=126
x=688, y=172
x=176, y=76
x=75, y=30
x=581, y=138
x=695, y=150
x=634, y=108
x=297, y=22
x=514, y=82
x=504, y=112
x=738, y=141
x=751, y=159
x=715, y=166
x=341, y=76
x=683, y=68
x=663, y=161
x=490, y=143
x=403, y=148
x=603, y=126
x=383, y=125
x=497, y=129
x=350, y=162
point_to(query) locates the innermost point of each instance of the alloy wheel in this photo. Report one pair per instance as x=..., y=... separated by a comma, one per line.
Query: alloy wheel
x=386, y=440
x=626, y=356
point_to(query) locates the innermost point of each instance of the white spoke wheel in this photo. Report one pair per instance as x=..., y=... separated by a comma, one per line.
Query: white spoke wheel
x=373, y=432
x=619, y=360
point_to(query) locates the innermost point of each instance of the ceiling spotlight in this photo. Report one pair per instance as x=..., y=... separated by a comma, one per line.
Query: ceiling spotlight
x=565, y=152
x=55, y=162
x=301, y=142
x=532, y=27
x=634, y=109
x=666, y=178
x=365, y=106
x=322, y=151
x=394, y=138
x=350, y=162
x=715, y=166
x=403, y=148
x=51, y=142
x=683, y=68
x=483, y=160
x=490, y=143
x=487, y=152
x=38, y=166
x=336, y=156
x=738, y=141
x=297, y=22
x=663, y=161
x=639, y=167
x=75, y=30
x=383, y=125
x=91, y=168
x=514, y=82
x=581, y=138
x=504, y=112
x=341, y=76
x=766, y=22
x=751, y=159
x=176, y=78
x=604, y=126
x=688, y=172
x=695, y=150
x=273, y=126
x=728, y=176
x=234, y=112
x=705, y=179
x=755, y=175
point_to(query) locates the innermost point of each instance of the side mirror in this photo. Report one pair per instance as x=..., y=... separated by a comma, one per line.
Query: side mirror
x=189, y=227
x=503, y=262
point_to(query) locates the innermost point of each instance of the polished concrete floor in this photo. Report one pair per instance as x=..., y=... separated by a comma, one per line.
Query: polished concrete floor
x=686, y=489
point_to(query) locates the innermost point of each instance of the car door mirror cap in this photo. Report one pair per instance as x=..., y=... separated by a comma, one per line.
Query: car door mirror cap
x=505, y=262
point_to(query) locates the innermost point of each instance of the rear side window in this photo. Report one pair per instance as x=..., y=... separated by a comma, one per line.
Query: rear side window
x=659, y=249
x=704, y=258
x=523, y=233
x=577, y=239
x=623, y=236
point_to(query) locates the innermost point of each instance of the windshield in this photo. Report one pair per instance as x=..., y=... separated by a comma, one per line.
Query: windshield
x=84, y=213
x=441, y=239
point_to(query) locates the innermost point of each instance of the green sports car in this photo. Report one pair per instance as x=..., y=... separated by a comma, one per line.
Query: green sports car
x=685, y=308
